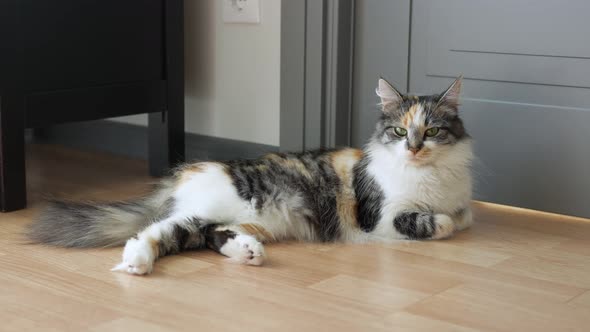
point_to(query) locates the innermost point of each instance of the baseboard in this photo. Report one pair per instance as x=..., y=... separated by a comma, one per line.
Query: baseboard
x=131, y=140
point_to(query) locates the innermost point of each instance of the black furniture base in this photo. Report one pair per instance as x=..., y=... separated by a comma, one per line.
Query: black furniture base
x=79, y=60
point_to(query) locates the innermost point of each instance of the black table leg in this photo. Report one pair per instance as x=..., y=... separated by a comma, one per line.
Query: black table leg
x=13, y=190
x=166, y=141
x=166, y=129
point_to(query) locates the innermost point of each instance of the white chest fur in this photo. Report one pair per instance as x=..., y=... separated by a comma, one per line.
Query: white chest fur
x=441, y=187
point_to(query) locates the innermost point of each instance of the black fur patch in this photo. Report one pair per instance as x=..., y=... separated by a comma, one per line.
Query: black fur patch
x=415, y=225
x=369, y=197
x=184, y=236
x=217, y=238
x=181, y=236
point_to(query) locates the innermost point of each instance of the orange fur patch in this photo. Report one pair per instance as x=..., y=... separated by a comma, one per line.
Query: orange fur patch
x=194, y=168
x=343, y=162
x=155, y=244
x=409, y=116
x=186, y=172
x=259, y=232
x=262, y=168
x=424, y=152
x=347, y=209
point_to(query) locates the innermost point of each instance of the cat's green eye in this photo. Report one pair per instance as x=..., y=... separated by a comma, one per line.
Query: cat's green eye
x=430, y=132
x=400, y=131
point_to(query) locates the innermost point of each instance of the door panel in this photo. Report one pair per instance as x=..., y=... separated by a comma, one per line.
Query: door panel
x=531, y=156
x=380, y=49
x=527, y=41
x=526, y=93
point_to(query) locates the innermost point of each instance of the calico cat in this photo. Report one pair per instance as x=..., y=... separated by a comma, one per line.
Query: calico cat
x=411, y=181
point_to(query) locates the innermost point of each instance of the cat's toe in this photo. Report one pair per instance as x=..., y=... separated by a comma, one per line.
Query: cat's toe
x=140, y=269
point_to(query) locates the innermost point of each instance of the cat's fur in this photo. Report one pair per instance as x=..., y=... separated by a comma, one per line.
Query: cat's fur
x=410, y=186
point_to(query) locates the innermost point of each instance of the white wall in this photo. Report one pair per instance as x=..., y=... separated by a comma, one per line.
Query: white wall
x=232, y=74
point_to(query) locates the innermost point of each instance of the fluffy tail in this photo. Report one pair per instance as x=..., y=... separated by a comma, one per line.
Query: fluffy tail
x=84, y=225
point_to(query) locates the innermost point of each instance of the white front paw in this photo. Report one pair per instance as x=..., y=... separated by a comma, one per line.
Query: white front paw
x=138, y=258
x=244, y=249
x=465, y=220
x=444, y=226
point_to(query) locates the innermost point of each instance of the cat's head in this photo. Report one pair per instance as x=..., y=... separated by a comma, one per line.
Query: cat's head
x=419, y=130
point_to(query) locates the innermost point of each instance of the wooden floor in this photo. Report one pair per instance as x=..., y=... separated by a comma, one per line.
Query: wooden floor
x=515, y=270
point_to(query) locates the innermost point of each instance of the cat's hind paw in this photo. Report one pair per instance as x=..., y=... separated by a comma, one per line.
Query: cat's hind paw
x=244, y=249
x=138, y=258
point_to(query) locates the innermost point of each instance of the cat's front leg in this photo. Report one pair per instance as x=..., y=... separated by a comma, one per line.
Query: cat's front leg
x=423, y=225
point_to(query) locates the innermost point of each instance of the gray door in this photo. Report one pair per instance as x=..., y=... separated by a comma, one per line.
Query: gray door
x=526, y=96
x=381, y=36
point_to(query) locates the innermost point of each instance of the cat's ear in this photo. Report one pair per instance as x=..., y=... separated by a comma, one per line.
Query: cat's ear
x=451, y=95
x=388, y=94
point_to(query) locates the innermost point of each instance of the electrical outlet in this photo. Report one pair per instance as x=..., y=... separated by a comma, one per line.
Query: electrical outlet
x=241, y=11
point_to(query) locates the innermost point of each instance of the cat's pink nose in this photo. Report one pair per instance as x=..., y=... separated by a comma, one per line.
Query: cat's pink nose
x=414, y=150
